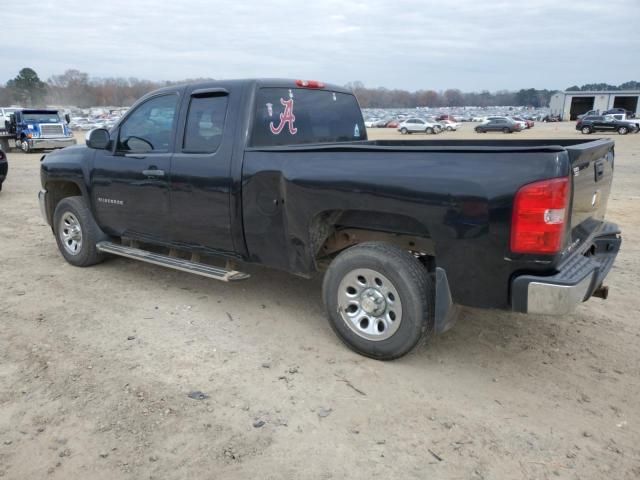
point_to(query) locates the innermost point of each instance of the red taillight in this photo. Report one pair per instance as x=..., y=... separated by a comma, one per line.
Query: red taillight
x=309, y=84
x=539, y=216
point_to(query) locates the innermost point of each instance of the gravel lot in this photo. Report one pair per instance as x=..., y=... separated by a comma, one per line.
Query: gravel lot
x=97, y=364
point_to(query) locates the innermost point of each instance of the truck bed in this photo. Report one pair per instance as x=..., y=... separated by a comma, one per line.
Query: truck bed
x=459, y=193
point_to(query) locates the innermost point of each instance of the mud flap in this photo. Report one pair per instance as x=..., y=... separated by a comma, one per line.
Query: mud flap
x=445, y=310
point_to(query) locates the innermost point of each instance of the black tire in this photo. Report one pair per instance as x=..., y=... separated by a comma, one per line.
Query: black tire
x=506, y=130
x=25, y=147
x=405, y=275
x=429, y=131
x=90, y=234
x=586, y=130
x=404, y=131
x=623, y=130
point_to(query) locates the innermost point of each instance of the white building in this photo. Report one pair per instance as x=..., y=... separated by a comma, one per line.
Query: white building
x=570, y=104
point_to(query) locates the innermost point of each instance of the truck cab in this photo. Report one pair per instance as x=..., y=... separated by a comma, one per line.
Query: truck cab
x=40, y=129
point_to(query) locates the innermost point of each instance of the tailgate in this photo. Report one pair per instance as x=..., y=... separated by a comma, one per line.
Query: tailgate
x=592, y=172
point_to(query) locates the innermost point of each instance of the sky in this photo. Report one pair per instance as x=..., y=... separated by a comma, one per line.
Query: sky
x=472, y=45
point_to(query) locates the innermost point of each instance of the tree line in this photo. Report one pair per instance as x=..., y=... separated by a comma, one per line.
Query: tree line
x=76, y=88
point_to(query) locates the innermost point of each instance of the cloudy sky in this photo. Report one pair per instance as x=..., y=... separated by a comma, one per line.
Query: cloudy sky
x=410, y=44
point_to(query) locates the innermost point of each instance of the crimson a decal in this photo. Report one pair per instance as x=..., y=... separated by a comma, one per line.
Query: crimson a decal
x=286, y=118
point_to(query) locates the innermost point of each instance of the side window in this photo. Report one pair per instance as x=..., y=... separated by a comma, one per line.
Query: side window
x=205, y=122
x=150, y=127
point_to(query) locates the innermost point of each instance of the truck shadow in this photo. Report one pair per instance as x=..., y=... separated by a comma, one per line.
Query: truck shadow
x=485, y=337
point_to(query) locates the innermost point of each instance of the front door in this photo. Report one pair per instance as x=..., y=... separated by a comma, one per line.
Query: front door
x=130, y=182
x=201, y=171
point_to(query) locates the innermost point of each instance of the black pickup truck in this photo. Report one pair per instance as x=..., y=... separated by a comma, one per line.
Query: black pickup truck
x=205, y=177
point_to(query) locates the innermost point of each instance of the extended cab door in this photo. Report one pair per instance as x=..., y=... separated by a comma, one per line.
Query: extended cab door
x=130, y=182
x=201, y=178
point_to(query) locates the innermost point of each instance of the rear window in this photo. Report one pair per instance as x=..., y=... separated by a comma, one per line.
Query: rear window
x=300, y=116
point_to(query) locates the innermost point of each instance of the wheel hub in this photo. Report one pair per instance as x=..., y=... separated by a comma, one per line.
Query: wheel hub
x=70, y=233
x=369, y=304
x=373, y=302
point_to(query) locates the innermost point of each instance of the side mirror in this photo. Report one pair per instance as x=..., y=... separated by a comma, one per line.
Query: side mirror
x=67, y=118
x=99, y=139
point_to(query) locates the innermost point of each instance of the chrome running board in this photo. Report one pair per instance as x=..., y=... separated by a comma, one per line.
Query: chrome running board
x=202, y=269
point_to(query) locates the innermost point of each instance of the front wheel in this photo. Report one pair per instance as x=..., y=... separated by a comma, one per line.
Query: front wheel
x=24, y=145
x=77, y=232
x=429, y=130
x=379, y=300
x=623, y=130
x=586, y=130
x=506, y=130
x=404, y=131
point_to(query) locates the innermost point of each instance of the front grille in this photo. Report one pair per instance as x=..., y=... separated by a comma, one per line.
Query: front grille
x=51, y=130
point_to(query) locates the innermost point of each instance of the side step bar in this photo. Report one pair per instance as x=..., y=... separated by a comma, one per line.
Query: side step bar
x=217, y=273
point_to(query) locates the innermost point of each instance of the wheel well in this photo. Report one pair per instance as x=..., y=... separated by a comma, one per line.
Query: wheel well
x=56, y=191
x=332, y=232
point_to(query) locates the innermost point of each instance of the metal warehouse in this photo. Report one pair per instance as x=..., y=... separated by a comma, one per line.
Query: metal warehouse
x=570, y=104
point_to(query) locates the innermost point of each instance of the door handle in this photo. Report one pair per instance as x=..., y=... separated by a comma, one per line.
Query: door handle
x=154, y=172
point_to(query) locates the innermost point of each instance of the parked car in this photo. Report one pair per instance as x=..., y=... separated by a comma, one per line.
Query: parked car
x=624, y=118
x=628, y=113
x=601, y=123
x=590, y=113
x=418, y=125
x=4, y=167
x=404, y=231
x=504, y=125
x=525, y=121
x=449, y=125
x=551, y=118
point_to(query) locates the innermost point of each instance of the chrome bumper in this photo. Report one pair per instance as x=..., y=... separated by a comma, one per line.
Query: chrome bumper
x=576, y=281
x=48, y=143
x=42, y=200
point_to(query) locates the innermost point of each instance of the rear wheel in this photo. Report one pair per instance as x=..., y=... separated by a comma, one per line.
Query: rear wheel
x=586, y=130
x=506, y=130
x=429, y=130
x=623, y=130
x=77, y=232
x=379, y=300
x=404, y=131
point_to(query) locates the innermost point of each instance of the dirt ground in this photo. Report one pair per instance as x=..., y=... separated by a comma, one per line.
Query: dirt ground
x=97, y=364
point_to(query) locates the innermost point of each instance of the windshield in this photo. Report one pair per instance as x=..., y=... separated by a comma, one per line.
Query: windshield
x=298, y=115
x=41, y=117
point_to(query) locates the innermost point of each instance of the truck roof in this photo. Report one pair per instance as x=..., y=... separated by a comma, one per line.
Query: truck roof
x=260, y=82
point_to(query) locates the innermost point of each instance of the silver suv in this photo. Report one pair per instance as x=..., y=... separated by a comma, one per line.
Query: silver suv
x=415, y=125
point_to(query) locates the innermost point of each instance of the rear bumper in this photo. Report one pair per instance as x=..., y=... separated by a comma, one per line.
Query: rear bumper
x=579, y=277
x=49, y=143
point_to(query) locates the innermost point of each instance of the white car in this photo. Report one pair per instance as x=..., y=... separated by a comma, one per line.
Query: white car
x=449, y=125
x=418, y=125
